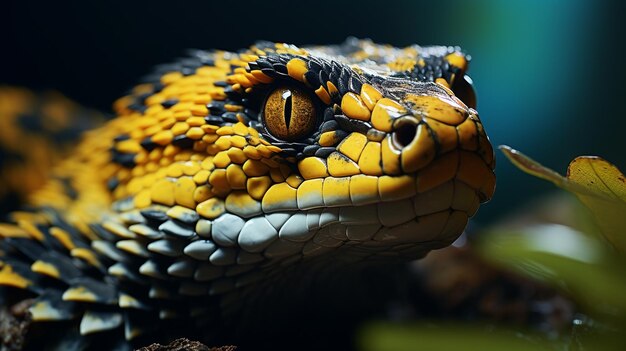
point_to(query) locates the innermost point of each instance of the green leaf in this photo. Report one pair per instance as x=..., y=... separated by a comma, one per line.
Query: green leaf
x=597, y=183
x=566, y=259
x=427, y=337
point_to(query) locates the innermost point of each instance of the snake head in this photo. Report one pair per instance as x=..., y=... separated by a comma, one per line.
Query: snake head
x=380, y=145
x=277, y=154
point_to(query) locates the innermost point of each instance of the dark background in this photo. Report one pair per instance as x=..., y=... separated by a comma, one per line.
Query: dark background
x=549, y=74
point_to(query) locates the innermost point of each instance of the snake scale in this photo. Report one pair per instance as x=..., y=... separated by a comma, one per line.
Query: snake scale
x=224, y=169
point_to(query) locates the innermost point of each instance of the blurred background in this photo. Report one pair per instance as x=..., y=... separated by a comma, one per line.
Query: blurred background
x=549, y=74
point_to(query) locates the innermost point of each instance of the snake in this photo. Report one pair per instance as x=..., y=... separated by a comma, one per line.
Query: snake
x=224, y=169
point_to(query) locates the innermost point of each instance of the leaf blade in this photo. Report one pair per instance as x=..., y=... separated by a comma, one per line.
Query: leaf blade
x=598, y=184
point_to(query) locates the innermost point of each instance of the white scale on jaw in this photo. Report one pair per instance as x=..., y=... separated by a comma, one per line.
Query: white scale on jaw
x=231, y=239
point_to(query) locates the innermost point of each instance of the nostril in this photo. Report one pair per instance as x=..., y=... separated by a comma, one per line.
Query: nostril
x=404, y=133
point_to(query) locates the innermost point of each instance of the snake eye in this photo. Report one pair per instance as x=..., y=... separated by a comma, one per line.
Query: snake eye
x=289, y=113
x=464, y=90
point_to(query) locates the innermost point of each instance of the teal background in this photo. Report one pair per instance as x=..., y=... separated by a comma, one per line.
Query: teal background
x=549, y=74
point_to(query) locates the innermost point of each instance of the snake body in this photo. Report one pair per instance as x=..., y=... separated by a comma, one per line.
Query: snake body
x=224, y=169
x=49, y=124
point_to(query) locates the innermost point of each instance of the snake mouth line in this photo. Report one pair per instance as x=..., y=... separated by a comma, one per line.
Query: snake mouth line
x=438, y=215
x=413, y=219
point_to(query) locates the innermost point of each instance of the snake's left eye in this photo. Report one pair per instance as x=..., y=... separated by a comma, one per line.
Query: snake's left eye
x=289, y=113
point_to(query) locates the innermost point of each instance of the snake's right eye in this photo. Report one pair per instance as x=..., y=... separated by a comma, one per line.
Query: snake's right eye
x=289, y=113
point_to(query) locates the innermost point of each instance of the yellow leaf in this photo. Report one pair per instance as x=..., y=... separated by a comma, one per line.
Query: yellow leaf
x=597, y=183
x=602, y=177
x=598, y=175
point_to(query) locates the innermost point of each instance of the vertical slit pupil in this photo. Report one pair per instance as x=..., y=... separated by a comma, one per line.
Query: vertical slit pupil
x=287, y=113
